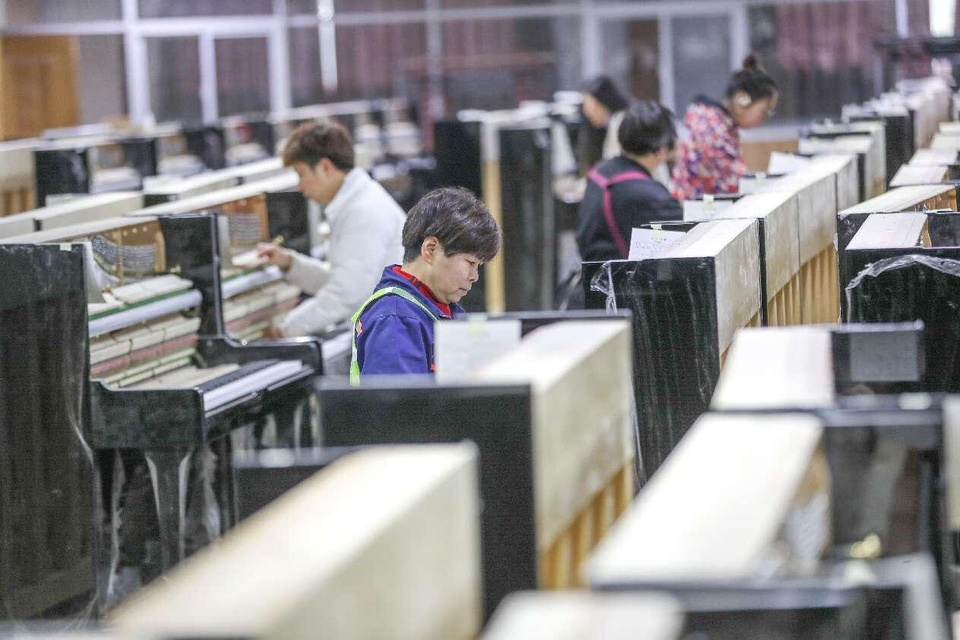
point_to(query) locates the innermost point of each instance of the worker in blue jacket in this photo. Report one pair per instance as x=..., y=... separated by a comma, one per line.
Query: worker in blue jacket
x=447, y=236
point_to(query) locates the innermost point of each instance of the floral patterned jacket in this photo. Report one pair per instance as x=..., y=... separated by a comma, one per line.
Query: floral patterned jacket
x=709, y=160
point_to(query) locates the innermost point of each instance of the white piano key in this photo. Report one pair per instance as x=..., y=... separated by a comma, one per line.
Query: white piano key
x=109, y=351
x=147, y=339
x=235, y=310
x=240, y=284
x=249, y=384
x=145, y=313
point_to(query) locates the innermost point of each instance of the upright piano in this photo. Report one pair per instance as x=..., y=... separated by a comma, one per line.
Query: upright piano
x=165, y=379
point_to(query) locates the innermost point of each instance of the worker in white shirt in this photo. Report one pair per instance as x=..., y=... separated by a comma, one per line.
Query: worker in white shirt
x=365, y=222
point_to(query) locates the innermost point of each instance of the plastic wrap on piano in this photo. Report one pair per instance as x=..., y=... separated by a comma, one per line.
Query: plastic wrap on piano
x=676, y=354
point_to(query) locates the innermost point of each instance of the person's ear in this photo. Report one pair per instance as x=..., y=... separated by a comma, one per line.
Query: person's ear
x=429, y=248
x=325, y=167
x=743, y=99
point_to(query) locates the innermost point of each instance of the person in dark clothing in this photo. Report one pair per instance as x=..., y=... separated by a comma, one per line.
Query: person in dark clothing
x=602, y=109
x=621, y=192
x=447, y=236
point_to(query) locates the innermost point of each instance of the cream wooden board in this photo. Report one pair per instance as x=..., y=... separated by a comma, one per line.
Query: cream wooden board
x=777, y=368
x=781, y=232
x=816, y=189
x=191, y=186
x=581, y=615
x=16, y=163
x=876, y=161
x=259, y=170
x=946, y=141
x=848, y=179
x=890, y=231
x=844, y=145
x=734, y=244
x=909, y=175
x=580, y=373
x=87, y=209
x=16, y=225
x=900, y=199
x=950, y=128
x=951, y=436
x=927, y=157
x=282, y=182
x=76, y=231
x=382, y=544
x=715, y=507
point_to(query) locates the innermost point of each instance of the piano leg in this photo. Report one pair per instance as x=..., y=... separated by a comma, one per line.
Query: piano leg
x=169, y=471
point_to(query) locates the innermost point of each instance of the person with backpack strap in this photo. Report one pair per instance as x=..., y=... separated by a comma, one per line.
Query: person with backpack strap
x=621, y=192
x=447, y=236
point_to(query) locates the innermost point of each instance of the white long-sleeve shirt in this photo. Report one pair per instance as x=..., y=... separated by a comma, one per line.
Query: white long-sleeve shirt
x=366, y=225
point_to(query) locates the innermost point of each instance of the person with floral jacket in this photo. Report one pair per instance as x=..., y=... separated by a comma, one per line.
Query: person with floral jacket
x=708, y=160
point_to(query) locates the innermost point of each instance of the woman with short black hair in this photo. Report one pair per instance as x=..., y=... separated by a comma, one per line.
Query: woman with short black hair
x=449, y=234
x=621, y=192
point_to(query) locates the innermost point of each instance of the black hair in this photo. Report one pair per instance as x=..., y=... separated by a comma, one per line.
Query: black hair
x=313, y=141
x=753, y=80
x=607, y=93
x=455, y=217
x=647, y=127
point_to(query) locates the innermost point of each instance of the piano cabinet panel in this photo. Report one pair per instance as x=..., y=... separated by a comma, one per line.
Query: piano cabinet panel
x=228, y=350
x=676, y=346
x=47, y=497
x=191, y=242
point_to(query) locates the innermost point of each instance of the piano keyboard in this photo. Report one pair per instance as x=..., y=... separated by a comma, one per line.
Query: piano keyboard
x=224, y=384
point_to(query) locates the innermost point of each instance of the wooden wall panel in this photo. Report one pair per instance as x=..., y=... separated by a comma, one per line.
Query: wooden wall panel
x=39, y=84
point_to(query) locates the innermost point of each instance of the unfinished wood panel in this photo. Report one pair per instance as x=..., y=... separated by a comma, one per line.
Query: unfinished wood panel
x=216, y=199
x=581, y=615
x=383, y=544
x=934, y=157
x=494, y=280
x=17, y=225
x=946, y=142
x=915, y=198
x=735, y=248
x=87, y=209
x=781, y=471
x=40, y=87
x=559, y=565
x=820, y=298
x=778, y=212
x=891, y=231
x=909, y=175
x=583, y=451
x=776, y=368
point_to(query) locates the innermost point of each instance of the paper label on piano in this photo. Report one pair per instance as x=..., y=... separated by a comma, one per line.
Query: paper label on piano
x=786, y=162
x=650, y=243
x=707, y=208
x=462, y=346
